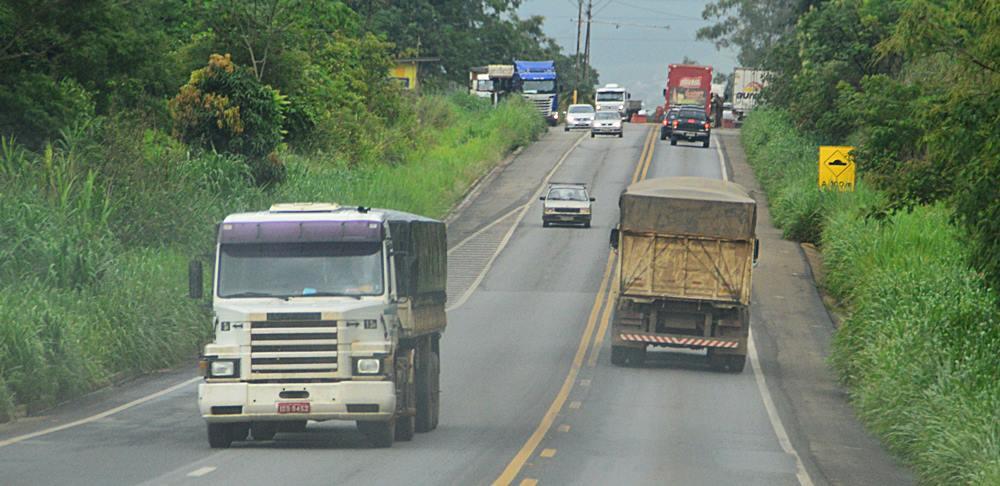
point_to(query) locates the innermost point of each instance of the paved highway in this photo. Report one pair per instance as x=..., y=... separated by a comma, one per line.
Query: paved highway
x=528, y=393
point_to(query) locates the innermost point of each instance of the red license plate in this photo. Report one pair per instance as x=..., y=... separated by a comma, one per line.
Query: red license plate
x=294, y=407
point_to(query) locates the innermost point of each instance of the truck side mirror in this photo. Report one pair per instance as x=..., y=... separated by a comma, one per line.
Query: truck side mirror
x=615, y=234
x=756, y=250
x=195, y=280
x=541, y=198
x=664, y=92
x=593, y=199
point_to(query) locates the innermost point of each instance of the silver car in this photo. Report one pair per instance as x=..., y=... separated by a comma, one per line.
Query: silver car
x=606, y=123
x=579, y=116
x=566, y=203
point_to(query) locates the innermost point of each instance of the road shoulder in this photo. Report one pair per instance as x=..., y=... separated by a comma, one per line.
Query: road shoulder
x=793, y=332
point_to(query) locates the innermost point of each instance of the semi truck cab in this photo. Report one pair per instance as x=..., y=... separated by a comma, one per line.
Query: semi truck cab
x=323, y=313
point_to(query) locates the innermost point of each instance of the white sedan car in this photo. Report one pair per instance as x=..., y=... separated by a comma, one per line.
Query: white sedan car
x=606, y=123
x=579, y=116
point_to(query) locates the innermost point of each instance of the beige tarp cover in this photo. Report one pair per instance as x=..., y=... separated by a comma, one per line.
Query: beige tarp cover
x=690, y=206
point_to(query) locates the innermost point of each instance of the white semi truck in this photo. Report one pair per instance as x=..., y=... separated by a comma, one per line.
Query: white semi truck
x=324, y=313
x=747, y=85
x=614, y=97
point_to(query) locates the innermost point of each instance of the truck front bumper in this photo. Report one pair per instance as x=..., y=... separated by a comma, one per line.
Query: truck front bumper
x=346, y=400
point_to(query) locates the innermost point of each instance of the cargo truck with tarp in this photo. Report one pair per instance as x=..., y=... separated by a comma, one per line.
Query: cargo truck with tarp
x=324, y=312
x=685, y=250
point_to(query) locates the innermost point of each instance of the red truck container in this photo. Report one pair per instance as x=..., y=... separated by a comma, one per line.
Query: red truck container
x=688, y=85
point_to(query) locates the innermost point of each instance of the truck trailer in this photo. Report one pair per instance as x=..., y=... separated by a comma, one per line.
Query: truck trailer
x=688, y=85
x=324, y=312
x=686, y=247
x=747, y=85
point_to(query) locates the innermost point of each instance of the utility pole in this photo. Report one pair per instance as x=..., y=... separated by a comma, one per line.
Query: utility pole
x=586, y=49
x=579, y=24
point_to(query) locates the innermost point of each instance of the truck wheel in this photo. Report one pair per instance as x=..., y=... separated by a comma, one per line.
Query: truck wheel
x=263, y=430
x=586, y=224
x=591, y=134
x=220, y=436
x=673, y=141
x=240, y=431
x=405, y=427
x=619, y=355
x=428, y=393
x=736, y=362
x=379, y=434
x=705, y=143
x=545, y=224
x=636, y=357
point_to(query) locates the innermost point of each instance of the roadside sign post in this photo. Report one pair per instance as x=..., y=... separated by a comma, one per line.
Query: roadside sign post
x=836, y=168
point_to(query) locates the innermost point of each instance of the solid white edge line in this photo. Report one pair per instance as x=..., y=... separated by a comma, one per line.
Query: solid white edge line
x=772, y=414
x=486, y=228
x=107, y=413
x=722, y=159
x=503, y=243
x=197, y=473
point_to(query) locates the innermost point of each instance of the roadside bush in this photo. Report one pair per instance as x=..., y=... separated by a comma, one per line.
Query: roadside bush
x=919, y=350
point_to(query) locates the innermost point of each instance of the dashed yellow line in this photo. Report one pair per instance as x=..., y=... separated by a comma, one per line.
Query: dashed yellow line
x=528, y=449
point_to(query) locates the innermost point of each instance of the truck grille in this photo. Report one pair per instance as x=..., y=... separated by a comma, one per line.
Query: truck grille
x=543, y=105
x=567, y=210
x=293, y=347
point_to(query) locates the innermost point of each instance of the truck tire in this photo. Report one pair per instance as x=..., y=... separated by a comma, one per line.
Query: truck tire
x=705, y=143
x=619, y=355
x=220, y=436
x=379, y=434
x=736, y=363
x=586, y=224
x=545, y=224
x=673, y=140
x=591, y=134
x=636, y=357
x=263, y=430
x=405, y=427
x=240, y=431
x=428, y=392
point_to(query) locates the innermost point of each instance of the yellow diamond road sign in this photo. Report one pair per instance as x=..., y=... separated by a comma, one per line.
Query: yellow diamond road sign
x=836, y=168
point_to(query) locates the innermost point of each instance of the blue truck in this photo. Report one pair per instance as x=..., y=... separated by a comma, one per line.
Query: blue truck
x=538, y=83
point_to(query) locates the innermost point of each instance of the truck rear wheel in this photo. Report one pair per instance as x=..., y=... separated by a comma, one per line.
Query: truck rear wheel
x=736, y=362
x=619, y=355
x=220, y=436
x=705, y=143
x=405, y=427
x=379, y=434
x=673, y=141
x=428, y=392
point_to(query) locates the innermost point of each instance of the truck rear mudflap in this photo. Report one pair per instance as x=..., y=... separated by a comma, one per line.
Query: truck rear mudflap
x=680, y=340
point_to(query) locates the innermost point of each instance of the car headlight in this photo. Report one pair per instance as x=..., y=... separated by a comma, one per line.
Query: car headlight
x=222, y=368
x=367, y=366
x=584, y=210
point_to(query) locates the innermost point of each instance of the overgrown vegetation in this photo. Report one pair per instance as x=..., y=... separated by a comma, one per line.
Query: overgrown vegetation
x=128, y=128
x=920, y=347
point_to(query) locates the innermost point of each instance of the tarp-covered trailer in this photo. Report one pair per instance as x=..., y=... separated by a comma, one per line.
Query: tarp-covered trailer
x=686, y=247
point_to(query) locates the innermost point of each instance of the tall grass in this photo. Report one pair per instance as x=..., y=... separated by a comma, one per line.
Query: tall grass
x=96, y=230
x=920, y=350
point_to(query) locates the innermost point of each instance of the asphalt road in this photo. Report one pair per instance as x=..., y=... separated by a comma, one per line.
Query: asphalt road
x=528, y=393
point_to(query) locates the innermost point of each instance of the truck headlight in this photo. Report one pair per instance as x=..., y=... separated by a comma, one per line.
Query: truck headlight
x=222, y=368
x=367, y=366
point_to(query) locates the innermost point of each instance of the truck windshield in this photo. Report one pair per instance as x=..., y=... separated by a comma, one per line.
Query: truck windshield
x=300, y=269
x=611, y=96
x=484, y=85
x=542, y=86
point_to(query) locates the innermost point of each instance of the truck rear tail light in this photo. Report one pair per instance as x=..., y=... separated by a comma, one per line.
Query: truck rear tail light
x=676, y=123
x=708, y=126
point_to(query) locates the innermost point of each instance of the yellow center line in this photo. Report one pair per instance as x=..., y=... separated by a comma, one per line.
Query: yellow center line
x=602, y=330
x=528, y=449
x=522, y=456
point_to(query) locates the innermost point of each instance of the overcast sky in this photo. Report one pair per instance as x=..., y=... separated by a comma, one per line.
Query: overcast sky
x=635, y=55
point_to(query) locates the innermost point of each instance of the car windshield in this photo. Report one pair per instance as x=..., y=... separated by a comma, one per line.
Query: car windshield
x=567, y=194
x=607, y=115
x=581, y=109
x=300, y=269
x=611, y=96
x=543, y=86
